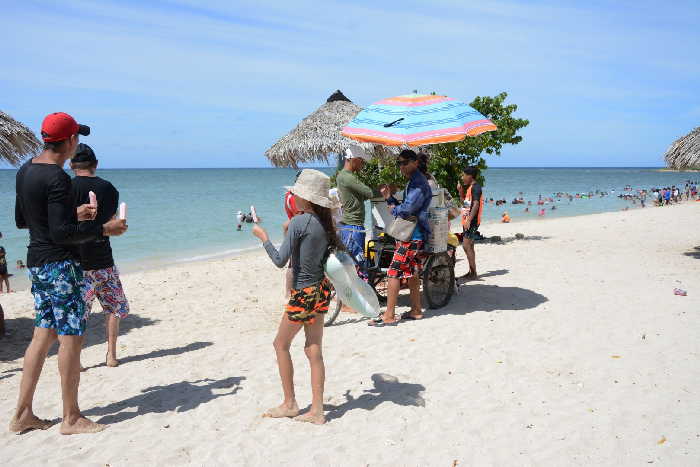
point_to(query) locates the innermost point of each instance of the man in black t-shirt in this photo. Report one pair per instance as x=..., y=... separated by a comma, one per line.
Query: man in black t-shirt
x=44, y=205
x=100, y=274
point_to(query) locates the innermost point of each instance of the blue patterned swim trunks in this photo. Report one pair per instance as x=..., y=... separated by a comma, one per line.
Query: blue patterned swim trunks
x=58, y=300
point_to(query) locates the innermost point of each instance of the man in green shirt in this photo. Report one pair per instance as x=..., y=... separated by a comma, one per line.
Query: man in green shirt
x=353, y=194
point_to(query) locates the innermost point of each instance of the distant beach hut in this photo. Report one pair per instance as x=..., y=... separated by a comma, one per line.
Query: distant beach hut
x=318, y=136
x=684, y=153
x=16, y=140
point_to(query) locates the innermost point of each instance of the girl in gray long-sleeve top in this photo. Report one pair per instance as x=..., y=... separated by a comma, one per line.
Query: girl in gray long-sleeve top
x=308, y=239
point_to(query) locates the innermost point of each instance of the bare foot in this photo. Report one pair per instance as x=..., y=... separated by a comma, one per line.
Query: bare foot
x=31, y=422
x=81, y=425
x=347, y=309
x=112, y=361
x=282, y=411
x=308, y=417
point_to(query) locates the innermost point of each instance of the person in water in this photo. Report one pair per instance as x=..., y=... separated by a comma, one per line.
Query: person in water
x=310, y=236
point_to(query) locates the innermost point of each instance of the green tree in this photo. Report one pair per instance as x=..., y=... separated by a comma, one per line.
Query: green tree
x=448, y=159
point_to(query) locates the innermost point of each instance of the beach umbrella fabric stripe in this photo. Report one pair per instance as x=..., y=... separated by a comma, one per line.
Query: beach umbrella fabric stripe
x=416, y=120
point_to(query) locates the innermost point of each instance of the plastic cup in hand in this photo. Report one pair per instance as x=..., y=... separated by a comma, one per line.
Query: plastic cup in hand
x=93, y=199
x=254, y=214
x=122, y=211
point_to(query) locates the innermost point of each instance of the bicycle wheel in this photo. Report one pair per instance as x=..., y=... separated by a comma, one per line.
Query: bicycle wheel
x=379, y=283
x=334, y=308
x=438, y=280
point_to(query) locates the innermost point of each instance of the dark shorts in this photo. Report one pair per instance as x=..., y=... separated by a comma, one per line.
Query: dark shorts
x=472, y=232
x=406, y=263
x=3, y=269
x=307, y=303
x=58, y=301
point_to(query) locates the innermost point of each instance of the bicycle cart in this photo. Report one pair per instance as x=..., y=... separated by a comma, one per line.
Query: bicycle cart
x=438, y=275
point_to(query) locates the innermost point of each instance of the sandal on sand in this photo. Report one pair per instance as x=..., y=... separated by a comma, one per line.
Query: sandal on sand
x=379, y=323
x=407, y=316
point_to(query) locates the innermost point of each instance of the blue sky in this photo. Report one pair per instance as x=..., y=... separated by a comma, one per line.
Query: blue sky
x=185, y=83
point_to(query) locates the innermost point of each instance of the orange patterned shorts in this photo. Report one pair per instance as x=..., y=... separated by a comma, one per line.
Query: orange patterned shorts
x=305, y=304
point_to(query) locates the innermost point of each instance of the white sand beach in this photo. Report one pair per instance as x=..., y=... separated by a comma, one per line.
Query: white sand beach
x=571, y=350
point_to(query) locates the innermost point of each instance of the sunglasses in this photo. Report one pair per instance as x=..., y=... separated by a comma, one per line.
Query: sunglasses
x=402, y=162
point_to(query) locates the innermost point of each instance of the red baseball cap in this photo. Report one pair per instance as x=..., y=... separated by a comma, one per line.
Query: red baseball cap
x=59, y=126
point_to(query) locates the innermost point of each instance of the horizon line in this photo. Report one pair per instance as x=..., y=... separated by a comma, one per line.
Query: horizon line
x=331, y=167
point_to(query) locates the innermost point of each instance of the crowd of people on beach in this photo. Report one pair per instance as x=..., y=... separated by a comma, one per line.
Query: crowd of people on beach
x=70, y=260
x=658, y=196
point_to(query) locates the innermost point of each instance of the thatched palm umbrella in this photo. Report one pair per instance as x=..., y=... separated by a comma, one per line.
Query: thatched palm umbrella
x=684, y=153
x=318, y=136
x=16, y=140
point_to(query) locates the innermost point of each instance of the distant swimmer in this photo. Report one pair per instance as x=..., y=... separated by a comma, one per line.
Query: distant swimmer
x=240, y=217
x=541, y=213
x=505, y=218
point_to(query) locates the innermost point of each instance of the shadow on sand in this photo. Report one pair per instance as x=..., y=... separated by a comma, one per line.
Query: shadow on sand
x=178, y=397
x=481, y=297
x=158, y=353
x=694, y=253
x=20, y=331
x=498, y=240
x=387, y=388
x=498, y=272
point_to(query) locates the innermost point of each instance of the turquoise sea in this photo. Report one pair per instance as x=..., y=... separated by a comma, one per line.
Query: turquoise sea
x=185, y=214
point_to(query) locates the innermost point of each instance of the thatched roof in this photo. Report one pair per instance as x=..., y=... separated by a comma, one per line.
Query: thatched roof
x=318, y=135
x=684, y=153
x=16, y=140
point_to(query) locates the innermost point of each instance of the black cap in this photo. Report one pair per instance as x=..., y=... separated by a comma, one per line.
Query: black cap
x=84, y=153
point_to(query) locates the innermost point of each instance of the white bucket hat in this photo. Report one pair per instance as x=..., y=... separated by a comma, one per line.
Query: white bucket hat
x=355, y=151
x=313, y=186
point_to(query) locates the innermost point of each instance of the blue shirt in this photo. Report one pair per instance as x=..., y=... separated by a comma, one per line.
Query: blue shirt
x=416, y=202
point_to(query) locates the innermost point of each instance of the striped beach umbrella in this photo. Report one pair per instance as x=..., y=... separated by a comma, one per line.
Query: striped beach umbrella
x=416, y=120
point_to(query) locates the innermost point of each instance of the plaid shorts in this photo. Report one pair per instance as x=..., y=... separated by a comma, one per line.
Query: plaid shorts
x=105, y=285
x=406, y=263
x=305, y=304
x=57, y=299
